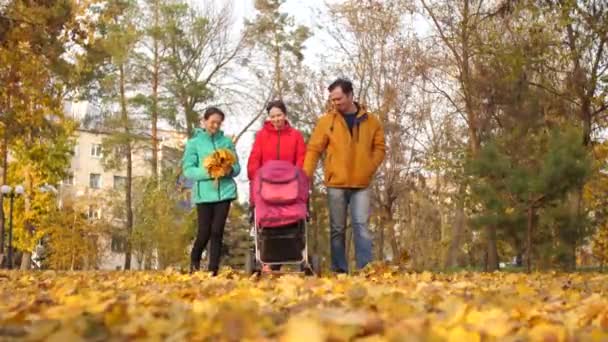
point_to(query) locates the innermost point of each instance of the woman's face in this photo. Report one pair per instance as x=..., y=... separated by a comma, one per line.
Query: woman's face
x=277, y=117
x=213, y=124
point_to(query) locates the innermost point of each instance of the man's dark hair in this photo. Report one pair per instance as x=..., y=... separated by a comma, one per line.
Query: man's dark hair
x=344, y=84
x=213, y=110
x=276, y=104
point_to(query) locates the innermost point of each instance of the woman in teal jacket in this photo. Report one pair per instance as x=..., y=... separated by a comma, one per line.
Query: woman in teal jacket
x=212, y=198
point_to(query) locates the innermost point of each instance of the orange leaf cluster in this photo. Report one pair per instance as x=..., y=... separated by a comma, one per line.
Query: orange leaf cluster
x=219, y=162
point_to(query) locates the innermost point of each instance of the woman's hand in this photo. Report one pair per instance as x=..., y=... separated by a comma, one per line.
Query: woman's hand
x=227, y=170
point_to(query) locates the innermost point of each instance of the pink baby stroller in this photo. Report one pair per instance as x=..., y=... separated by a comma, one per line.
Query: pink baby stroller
x=280, y=201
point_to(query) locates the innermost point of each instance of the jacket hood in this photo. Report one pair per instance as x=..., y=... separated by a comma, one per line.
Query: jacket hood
x=361, y=110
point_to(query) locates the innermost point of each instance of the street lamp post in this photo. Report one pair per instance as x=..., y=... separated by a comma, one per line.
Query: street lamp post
x=8, y=191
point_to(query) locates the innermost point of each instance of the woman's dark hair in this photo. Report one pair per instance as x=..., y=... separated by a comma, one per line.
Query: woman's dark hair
x=213, y=110
x=344, y=84
x=276, y=104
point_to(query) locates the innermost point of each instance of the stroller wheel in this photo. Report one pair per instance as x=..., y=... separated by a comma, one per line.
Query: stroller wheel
x=313, y=267
x=250, y=264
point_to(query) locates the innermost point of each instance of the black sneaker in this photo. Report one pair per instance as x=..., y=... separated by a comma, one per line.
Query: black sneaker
x=194, y=267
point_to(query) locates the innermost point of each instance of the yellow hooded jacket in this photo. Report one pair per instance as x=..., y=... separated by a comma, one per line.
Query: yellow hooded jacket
x=351, y=159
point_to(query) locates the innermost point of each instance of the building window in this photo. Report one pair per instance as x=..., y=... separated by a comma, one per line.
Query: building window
x=96, y=150
x=120, y=151
x=94, y=213
x=95, y=180
x=120, y=183
x=69, y=179
x=148, y=154
x=118, y=244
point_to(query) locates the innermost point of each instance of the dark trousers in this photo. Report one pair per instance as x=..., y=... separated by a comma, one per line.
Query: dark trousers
x=211, y=222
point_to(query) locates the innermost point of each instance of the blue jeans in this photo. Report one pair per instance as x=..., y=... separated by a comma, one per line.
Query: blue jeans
x=359, y=201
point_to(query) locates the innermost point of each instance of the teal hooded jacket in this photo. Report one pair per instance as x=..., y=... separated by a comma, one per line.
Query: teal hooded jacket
x=204, y=188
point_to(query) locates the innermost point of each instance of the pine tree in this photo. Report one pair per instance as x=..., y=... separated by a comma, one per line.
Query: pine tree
x=111, y=59
x=281, y=43
x=519, y=186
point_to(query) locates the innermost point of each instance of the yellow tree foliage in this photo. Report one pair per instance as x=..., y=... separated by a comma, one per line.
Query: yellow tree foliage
x=35, y=72
x=73, y=240
x=597, y=187
x=594, y=196
x=600, y=244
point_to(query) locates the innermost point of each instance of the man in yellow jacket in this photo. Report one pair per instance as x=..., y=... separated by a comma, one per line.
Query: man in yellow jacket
x=353, y=142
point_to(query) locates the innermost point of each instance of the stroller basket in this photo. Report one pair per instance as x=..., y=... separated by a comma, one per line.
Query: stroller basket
x=282, y=244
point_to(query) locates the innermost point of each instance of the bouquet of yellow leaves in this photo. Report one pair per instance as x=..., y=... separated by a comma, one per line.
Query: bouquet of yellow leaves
x=219, y=163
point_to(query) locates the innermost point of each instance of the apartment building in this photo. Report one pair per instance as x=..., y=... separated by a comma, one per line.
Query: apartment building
x=88, y=179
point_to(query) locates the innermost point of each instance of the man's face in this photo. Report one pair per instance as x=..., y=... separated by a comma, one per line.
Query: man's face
x=341, y=101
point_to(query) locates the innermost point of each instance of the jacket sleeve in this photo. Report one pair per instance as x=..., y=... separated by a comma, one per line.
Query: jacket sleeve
x=255, y=157
x=192, y=165
x=236, y=167
x=316, y=146
x=300, y=150
x=378, y=147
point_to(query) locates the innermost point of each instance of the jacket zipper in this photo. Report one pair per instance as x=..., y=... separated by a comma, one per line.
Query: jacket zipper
x=279, y=146
x=219, y=180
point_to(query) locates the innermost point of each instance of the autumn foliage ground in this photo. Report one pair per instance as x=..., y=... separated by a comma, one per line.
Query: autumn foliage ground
x=382, y=304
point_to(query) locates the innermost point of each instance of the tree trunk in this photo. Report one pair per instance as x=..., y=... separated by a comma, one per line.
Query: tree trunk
x=394, y=243
x=191, y=117
x=519, y=259
x=72, y=261
x=389, y=227
x=454, y=251
x=578, y=211
x=529, y=239
x=317, y=223
x=473, y=124
x=277, y=72
x=26, y=261
x=492, y=249
x=28, y=196
x=129, y=204
x=4, y=181
x=129, y=155
x=155, y=81
x=381, y=226
x=519, y=250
